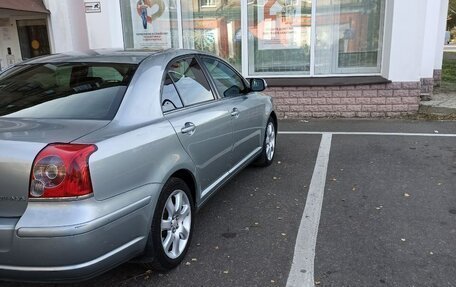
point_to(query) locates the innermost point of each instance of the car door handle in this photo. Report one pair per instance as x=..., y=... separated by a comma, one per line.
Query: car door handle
x=235, y=113
x=189, y=128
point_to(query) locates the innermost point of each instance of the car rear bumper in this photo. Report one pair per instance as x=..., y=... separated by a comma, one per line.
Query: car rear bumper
x=72, y=241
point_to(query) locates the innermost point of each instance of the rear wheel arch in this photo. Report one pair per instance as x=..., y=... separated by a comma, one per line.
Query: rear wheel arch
x=188, y=177
x=274, y=118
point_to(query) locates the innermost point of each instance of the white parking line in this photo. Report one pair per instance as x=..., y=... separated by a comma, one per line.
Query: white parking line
x=302, y=268
x=367, y=134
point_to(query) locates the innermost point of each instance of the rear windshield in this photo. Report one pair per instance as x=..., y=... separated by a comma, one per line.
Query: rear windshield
x=64, y=90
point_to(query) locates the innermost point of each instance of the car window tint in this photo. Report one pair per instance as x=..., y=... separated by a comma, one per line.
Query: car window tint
x=170, y=97
x=227, y=81
x=64, y=90
x=190, y=81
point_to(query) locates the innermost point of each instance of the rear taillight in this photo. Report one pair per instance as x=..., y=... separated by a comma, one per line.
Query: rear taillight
x=62, y=170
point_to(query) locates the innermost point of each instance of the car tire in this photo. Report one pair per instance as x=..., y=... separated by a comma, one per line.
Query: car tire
x=269, y=143
x=172, y=227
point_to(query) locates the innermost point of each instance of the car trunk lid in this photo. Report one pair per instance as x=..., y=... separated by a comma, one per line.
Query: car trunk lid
x=20, y=142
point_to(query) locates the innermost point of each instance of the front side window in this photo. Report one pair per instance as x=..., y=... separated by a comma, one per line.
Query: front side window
x=64, y=90
x=227, y=81
x=190, y=81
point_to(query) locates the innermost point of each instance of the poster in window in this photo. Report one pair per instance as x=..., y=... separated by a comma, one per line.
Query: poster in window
x=279, y=24
x=151, y=24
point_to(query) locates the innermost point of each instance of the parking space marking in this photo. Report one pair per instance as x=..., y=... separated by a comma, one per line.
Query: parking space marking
x=302, y=268
x=366, y=134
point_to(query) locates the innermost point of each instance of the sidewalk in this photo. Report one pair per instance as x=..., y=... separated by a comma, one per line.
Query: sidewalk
x=441, y=104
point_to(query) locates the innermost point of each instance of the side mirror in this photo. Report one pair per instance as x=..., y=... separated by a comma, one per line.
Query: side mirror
x=257, y=85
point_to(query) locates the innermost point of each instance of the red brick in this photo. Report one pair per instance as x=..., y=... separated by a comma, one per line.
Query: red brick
x=339, y=94
x=296, y=94
x=378, y=87
x=354, y=108
x=384, y=108
x=311, y=108
x=401, y=93
x=325, y=94
x=296, y=108
x=347, y=114
x=370, y=93
x=393, y=101
x=304, y=101
x=282, y=94
x=311, y=94
x=290, y=101
x=291, y=115
x=325, y=108
x=318, y=101
x=339, y=108
x=369, y=108
x=354, y=94
x=411, y=85
x=378, y=101
x=394, y=86
x=348, y=101
x=363, y=101
x=283, y=108
x=385, y=93
x=333, y=101
x=400, y=108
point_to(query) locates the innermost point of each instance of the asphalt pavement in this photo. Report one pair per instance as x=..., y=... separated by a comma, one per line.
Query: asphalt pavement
x=388, y=216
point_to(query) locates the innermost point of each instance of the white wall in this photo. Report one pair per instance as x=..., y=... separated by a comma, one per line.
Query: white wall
x=105, y=28
x=441, y=35
x=67, y=25
x=431, y=33
x=405, y=43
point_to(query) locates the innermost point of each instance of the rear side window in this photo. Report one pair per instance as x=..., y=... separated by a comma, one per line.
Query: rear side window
x=190, y=82
x=64, y=90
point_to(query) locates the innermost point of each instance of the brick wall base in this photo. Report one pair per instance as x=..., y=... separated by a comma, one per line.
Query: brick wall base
x=437, y=78
x=363, y=101
x=427, y=88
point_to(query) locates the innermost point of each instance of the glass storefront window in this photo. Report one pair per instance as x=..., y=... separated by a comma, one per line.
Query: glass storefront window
x=213, y=26
x=349, y=36
x=279, y=36
x=149, y=24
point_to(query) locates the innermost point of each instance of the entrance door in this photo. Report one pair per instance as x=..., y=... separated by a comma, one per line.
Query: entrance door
x=33, y=38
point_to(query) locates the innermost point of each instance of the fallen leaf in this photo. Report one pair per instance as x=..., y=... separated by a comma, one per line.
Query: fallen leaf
x=279, y=162
x=379, y=207
x=272, y=281
x=216, y=247
x=403, y=239
x=187, y=263
x=432, y=253
x=274, y=178
x=194, y=259
x=436, y=131
x=226, y=272
x=439, y=183
x=406, y=194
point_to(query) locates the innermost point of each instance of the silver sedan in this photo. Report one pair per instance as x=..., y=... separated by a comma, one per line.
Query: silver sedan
x=105, y=156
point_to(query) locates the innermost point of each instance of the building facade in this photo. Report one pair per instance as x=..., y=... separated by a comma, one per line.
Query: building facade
x=321, y=58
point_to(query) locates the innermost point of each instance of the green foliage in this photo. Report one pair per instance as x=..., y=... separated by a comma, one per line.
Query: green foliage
x=451, y=20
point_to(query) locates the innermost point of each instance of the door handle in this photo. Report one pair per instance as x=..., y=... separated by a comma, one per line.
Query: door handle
x=189, y=128
x=235, y=113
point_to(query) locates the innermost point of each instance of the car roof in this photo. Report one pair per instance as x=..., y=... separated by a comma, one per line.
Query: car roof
x=127, y=56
